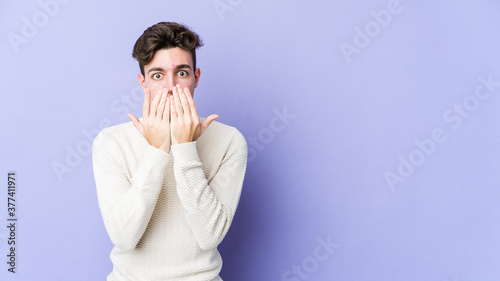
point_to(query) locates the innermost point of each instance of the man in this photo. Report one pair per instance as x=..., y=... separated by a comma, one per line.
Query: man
x=168, y=184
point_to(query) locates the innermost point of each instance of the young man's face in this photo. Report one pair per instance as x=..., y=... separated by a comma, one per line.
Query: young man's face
x=168, y=68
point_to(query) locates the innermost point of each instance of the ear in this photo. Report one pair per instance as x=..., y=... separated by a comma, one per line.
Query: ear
x=142, y=81
x=197, y=74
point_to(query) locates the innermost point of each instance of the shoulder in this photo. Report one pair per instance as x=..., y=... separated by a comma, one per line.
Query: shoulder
x=119, y=130
x=117, y=134
x=221, y=132
x=224, y=140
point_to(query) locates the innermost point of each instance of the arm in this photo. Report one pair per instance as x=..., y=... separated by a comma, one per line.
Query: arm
x=126, y=204
x=210, y=207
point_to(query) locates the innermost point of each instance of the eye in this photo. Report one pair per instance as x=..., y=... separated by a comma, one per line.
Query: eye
x=157, y=76
x=183, y=73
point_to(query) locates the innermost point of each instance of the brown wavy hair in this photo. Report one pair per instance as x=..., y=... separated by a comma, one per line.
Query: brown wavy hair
x=165, y=35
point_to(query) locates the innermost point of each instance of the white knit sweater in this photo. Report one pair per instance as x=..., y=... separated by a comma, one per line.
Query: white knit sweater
x=166, y=213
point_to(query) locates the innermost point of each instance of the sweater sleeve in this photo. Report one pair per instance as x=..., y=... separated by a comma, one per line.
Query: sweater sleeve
x=126, y=203
x=210, y=207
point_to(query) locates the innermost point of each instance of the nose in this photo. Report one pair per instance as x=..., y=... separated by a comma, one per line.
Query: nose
x=170, y=82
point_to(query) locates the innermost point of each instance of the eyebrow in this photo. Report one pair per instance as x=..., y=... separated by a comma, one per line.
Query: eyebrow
x=156, y=69
x=180, y=66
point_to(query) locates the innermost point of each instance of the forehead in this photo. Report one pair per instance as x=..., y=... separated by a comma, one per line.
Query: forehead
x=170, y=58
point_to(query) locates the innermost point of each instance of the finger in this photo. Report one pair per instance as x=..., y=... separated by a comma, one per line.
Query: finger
x=173, y=120
x=145, y=106
x=161, y=106
x=173, y=112
x=136, y=122
x=177, y=104
x=208, y=121
x=166, y=112
x=184, y=101
x=192, y=106
x=154, y=104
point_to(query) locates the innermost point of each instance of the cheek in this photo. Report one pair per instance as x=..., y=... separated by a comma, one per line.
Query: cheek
x=155, y=87
x=189, y=84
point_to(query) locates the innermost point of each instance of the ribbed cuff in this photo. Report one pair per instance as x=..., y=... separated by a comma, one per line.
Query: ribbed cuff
x=152, y=168
x=185, y=152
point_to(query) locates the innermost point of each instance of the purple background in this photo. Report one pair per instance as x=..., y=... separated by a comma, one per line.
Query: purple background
x=321, y=176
